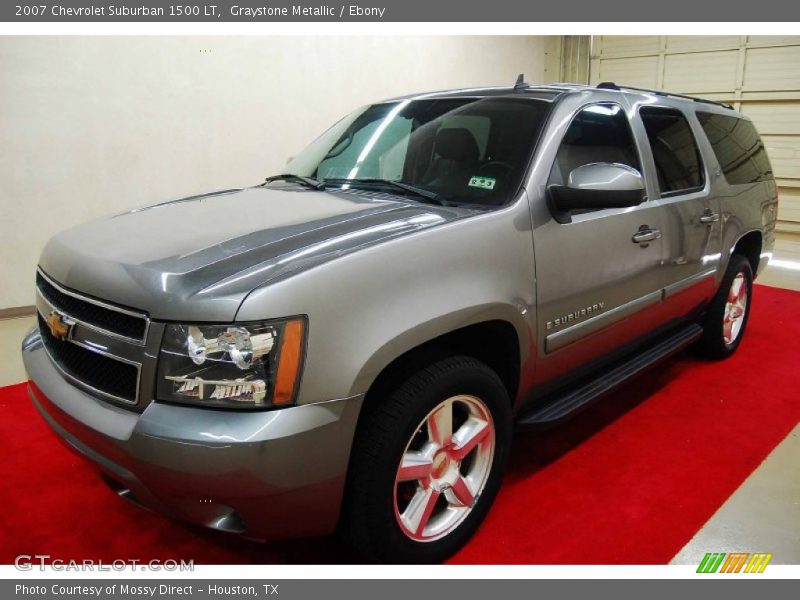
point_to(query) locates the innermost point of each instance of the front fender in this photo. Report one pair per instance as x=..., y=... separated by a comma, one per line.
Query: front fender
x=428, y=331
x=369, y=307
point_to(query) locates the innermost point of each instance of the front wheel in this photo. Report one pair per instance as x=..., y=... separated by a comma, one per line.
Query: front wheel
x=428, y=462
x=727, y=315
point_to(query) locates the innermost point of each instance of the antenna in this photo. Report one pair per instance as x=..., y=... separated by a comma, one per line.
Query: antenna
x=520, y=82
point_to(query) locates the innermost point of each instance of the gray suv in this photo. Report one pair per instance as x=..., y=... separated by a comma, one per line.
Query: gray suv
x=349, y=345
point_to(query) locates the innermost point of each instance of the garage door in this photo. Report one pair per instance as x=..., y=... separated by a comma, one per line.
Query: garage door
x=759, y=75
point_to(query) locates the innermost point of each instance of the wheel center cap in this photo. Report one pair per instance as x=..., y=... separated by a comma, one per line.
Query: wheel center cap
x=440, y=464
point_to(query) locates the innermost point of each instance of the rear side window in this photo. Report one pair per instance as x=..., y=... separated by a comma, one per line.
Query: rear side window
x=738, y=148
x=675, y=151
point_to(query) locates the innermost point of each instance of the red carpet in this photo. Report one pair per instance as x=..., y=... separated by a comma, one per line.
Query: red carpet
x=629, y=481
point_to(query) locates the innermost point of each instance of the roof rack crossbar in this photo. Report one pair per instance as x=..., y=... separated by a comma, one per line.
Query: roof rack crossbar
x=610, y=85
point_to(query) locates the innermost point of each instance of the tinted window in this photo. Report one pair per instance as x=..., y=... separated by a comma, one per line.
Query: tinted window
x=381, y=128
x=675, y=151
x=738, y=148
x=599, y=133
x=474, y=153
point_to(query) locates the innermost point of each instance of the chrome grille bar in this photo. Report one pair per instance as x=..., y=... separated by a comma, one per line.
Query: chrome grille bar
x=92, y=374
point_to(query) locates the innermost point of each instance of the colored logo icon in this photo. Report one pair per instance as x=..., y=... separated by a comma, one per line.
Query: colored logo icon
x=735, y=562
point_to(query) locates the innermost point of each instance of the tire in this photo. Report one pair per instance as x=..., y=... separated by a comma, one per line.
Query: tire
x=421, y=513
x=725, y=322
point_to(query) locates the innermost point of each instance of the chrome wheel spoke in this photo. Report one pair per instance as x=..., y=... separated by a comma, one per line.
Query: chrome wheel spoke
x=462, y=492
x=468, y=436
x=419, y=510
x=736, y=288
x=727, y=331
x=440, y=424
x=742, y=295
x=733, y=293
x=414, y=466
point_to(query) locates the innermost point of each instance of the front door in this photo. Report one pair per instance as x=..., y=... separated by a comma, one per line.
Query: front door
x=598, y=277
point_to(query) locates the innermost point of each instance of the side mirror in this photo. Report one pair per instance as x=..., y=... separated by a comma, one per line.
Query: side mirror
x=598, y=185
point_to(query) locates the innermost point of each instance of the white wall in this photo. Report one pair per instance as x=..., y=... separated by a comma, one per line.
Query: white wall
x=93, y=125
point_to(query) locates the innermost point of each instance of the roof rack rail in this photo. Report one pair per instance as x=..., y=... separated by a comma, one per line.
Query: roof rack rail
x=610, y=85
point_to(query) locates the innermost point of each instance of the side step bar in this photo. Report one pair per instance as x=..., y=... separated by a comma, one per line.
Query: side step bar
x=561, y=406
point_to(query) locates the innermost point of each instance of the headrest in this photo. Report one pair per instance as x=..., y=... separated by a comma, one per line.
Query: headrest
x=456, y=143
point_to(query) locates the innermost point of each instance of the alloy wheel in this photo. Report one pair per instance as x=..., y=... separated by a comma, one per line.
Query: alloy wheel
x=735, y=309
x=444, y=468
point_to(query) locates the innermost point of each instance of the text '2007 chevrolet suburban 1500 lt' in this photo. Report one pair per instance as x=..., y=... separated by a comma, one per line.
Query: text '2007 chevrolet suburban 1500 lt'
x=349, y=345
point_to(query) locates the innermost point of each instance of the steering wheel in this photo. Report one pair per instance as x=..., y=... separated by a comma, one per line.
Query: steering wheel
x=503, y=167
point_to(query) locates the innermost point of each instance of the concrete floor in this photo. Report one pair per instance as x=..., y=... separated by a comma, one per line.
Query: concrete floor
x=763, y=515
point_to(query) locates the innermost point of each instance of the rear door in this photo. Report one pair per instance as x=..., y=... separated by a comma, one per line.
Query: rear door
x=690, y=218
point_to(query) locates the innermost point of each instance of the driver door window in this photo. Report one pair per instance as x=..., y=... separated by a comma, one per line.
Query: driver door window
x=598, y=133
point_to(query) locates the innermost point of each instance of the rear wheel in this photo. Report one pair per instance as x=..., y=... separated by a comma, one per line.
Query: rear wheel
x=428, y=462
x=727, y=316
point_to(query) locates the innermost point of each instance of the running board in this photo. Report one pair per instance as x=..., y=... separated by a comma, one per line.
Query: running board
x=570, y=402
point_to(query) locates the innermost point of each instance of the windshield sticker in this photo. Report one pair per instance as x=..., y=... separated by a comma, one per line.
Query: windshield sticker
x=485, y=183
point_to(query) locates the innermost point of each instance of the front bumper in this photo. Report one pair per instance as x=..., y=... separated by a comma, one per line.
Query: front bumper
x=265, y=475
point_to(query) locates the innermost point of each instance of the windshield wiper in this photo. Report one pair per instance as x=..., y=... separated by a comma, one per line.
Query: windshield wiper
x=428, y=195
x=291, y=177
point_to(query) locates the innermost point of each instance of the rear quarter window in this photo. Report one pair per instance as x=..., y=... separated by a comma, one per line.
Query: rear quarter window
x=738, y=148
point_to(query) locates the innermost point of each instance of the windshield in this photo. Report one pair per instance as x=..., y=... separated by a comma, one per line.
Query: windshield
x=462, y=150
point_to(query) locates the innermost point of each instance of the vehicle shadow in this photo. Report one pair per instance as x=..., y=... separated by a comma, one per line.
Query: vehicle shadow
x=310, y=551
x=536, y=450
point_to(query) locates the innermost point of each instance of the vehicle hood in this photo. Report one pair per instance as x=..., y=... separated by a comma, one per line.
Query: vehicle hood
x=197, y=258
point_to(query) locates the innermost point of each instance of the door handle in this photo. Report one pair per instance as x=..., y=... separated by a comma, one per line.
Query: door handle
x=646, y=234
x=709, y=217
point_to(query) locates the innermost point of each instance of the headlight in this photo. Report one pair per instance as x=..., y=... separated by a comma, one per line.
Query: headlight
x=249, y=365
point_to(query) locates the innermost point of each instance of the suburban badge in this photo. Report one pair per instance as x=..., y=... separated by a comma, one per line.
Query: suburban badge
x=578, y=315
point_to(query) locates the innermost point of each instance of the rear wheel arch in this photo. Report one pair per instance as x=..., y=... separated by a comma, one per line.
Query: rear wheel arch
x=730, y=307
x=749, y=245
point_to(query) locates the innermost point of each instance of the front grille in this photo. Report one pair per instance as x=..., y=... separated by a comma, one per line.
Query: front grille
x=100, y=372
x=105, y=318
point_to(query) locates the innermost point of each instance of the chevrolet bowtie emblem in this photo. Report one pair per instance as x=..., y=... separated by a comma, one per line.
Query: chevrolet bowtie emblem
x=59, y=325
